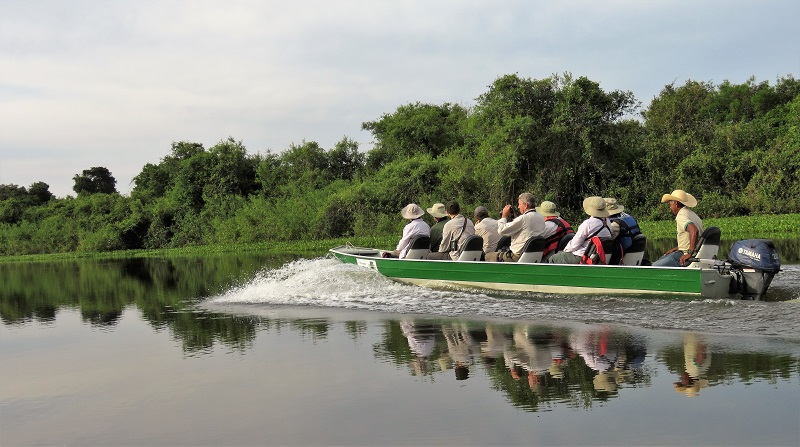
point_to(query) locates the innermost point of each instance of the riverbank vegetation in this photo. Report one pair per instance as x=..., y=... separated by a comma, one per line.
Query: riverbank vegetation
x=736, y=147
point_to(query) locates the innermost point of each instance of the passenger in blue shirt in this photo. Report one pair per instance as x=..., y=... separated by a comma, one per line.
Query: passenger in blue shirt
x=623, y=225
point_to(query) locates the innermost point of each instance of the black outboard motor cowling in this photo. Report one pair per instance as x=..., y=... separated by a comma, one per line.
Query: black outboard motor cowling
x=758, y=260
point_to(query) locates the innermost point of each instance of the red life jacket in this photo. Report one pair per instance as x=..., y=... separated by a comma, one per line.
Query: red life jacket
x=594, y=253
x=596, y=256
x=563, y=229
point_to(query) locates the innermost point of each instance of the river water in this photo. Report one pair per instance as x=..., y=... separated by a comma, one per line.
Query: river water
x=253, y=350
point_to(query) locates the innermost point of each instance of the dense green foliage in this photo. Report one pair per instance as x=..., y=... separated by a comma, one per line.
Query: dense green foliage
x=735, y=147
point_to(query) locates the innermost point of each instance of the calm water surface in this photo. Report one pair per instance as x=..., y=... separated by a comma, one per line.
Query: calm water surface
x=248, y=350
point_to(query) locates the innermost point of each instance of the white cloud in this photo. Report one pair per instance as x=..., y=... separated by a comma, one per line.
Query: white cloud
x=113, y=83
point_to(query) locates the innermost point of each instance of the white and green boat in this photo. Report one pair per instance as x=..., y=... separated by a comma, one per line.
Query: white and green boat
x=705, y=278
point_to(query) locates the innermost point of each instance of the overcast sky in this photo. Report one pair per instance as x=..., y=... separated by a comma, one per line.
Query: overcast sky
x=113, y=82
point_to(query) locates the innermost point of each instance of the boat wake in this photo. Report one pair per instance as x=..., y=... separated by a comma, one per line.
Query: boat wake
x=328, y=283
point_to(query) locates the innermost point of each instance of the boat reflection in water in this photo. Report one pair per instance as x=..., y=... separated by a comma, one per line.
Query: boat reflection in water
x=536, y=364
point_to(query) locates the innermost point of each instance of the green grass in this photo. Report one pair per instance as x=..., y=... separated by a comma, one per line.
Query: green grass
x=785, y=226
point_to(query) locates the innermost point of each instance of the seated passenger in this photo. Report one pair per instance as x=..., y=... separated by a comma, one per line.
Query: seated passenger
x=522, y=228
x=439, y=214
x=486, y=227
x=596, y=225
x=689, y=226
x=415, y=227
x=623, y=225
x=454, y=233
x=555, y=227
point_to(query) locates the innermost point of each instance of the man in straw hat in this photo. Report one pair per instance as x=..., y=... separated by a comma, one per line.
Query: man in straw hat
x=439, y=214
x=415, y=227
x=596, y=225
x=555, y=227
x=689, y=226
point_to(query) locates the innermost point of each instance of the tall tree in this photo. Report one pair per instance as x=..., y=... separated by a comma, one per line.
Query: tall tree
x=345, y=161
x=415, y=129
x=39, y=193
x=95, y=180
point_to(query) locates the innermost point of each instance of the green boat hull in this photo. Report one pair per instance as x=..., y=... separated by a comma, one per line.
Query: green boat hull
x=549, y=278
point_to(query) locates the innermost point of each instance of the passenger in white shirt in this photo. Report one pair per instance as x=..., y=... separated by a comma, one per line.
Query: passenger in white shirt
x=454, y=233
x=597, y=224
x=415, y=227
x=486, y=227
x=524, y=227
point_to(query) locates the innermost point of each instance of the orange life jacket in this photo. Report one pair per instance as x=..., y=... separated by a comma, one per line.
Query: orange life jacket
x=564, y=228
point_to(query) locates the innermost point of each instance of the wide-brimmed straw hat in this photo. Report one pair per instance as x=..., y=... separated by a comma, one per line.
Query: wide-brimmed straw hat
x=547, y=208
x=595, y=206
x=612, y=206
x=412, y=211
x=680, y=195
x=437, y=210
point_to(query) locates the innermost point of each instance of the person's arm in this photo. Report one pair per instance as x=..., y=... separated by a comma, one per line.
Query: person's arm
x=693, y=235
x=580, y=236
x=550, y=228
x=447, y=233
x=506, y=228
x=406, y=239
x=615, y=229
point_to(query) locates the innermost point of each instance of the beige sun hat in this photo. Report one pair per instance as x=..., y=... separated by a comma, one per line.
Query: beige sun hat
x=412, y=211
x=547, y=208
x=612, y=206
x=437, y=210
x=595, y=206
x=680, y=195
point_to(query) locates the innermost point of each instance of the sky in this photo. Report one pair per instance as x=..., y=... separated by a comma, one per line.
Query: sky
x=114, y=83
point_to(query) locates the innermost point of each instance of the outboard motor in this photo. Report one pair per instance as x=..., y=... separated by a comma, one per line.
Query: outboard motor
x=757, y=262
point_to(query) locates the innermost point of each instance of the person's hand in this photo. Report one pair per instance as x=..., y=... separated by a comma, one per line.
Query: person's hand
x=507, y=211
x=685, y=258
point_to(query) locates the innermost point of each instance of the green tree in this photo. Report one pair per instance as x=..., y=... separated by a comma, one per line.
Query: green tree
x=95, y=180
x=231, y=172
x=345, y=162
x=415, y=129
x=39, y=192
x=558, y=138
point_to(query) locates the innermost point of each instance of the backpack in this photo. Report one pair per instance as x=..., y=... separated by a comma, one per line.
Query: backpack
x=594, y=253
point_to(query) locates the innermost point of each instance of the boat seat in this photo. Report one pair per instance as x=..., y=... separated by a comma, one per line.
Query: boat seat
x=635, y=253
x=707, y=247
x=504, y=242
x=472, y=250
x=564, y=241
x=709, y=244
x=532, y=250
x=420, y=247
x=616, y=253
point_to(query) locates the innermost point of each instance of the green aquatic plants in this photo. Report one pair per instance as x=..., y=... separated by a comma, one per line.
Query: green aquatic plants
x=784, y=226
